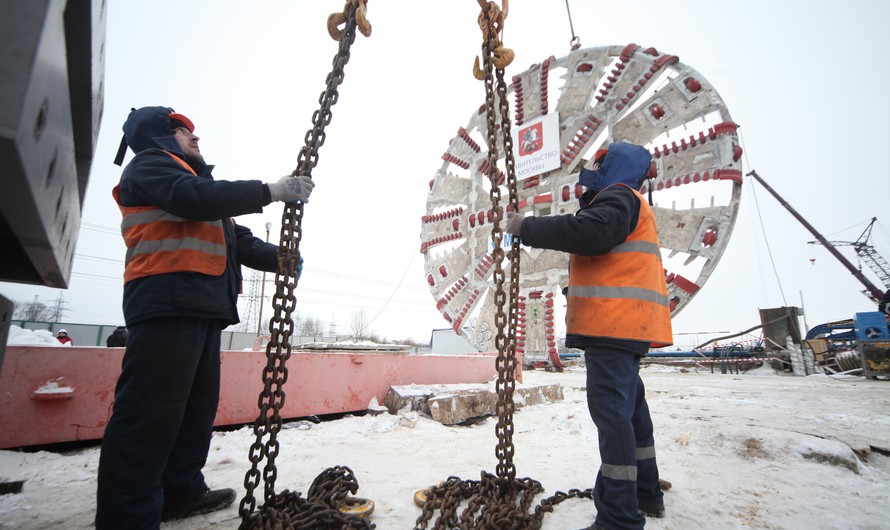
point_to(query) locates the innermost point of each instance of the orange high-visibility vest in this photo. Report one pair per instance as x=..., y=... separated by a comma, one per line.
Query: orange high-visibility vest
x=622, y=294
x=159, y=242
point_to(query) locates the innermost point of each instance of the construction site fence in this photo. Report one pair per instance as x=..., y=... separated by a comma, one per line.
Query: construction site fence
x=97, y=334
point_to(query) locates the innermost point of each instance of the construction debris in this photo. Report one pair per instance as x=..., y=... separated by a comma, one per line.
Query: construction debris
x=454, y=404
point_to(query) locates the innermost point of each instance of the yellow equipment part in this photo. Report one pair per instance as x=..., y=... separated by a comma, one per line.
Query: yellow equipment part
x=357, y=506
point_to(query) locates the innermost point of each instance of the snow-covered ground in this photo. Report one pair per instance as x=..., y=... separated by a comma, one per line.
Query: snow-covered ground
x=753, y=451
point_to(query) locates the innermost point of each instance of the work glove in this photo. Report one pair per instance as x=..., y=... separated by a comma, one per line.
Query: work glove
x=300, y=268
x=514, y=223
x=290, y=189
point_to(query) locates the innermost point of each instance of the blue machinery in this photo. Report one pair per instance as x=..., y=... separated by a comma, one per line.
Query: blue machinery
x=873, y=342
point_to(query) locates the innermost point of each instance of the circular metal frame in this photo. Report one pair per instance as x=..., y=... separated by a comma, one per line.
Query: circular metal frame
x=601, y=95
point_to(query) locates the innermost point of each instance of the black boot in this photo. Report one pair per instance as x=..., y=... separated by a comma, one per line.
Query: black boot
x=209, y=501
x=652, y=508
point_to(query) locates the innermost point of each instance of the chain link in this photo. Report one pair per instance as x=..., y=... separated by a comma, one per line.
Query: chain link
x=278, y=508
x=503, y=337
x=501, y=501
x=506, y=316
x=319, y=510
x=509, y=368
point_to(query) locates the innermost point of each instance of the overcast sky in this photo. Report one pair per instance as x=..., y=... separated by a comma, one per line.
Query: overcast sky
x=804, y=80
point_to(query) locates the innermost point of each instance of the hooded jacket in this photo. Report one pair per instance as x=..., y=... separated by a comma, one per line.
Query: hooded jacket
x=118, y=338
x=605, y=237
x=161, y=178
x=624, y=164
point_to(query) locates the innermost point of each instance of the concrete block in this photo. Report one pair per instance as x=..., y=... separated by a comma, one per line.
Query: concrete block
x=536, y=395
x=452, y=404
x=455, y=408
x=412, y=397
x=416, y=396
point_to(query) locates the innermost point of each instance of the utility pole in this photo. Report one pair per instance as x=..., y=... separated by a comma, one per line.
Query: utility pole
x=259, y=324
x=59, y=309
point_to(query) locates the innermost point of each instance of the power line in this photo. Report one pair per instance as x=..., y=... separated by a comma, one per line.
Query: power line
x=385, y=304
x=98, y=258
x=104, y=277
x=762, y=227
x=101, y=228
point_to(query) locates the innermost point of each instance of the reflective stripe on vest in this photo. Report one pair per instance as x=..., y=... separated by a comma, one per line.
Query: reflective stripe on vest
x=159, y=242
x=622, y=294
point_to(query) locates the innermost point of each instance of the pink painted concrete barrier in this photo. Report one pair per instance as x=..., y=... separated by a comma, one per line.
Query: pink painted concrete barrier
x=51, y=395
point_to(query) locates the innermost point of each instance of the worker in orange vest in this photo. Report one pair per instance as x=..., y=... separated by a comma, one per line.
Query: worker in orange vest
x=182, y=276
x=617, y=309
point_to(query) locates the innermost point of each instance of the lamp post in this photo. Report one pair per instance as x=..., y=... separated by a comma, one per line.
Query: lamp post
x=259, y=324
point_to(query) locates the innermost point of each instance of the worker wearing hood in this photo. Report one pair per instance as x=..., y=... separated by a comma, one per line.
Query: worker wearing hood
x=182, y=276
x=617, y=310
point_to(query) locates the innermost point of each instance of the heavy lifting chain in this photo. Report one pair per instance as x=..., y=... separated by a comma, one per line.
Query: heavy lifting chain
x=501, y=501
x=289, y=510
x=495, y=59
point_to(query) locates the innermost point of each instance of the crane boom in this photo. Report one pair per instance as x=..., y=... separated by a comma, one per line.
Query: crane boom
x=868, y=254
x=876, y=262
x=871, y=289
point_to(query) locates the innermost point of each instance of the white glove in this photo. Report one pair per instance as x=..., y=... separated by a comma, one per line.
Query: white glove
x=514, y=223
x=290, y=188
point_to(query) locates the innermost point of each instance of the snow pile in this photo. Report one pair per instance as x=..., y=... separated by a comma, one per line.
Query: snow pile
x=54, y=387
x=32, y=337
x=351, y=345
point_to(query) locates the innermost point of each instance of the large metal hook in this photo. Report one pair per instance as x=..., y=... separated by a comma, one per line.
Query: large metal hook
x=361, y=21
x=491, y=22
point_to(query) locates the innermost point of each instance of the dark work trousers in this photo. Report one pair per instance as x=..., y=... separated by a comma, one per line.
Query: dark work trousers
x=157, y=439
x=616, y=399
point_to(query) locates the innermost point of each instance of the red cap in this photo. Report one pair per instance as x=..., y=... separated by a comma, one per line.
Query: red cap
x=600, y=153
x=183, y=120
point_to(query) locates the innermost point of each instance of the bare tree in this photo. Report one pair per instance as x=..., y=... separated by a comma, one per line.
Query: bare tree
x=311, y=327
x=34, y=311
x=359, y=324
x=298, y=323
